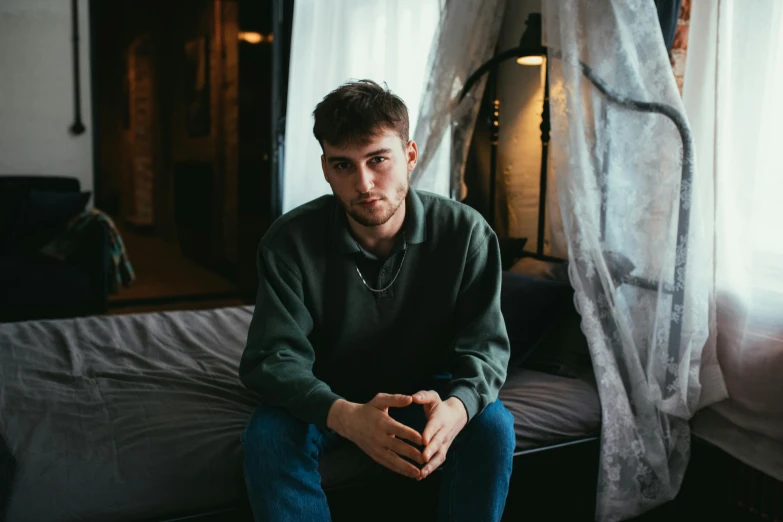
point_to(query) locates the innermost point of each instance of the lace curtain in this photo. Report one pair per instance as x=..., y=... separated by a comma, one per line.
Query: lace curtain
x=622, y=155
x=466, y=38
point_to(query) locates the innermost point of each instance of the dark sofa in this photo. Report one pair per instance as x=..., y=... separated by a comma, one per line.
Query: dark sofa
x=33, y=211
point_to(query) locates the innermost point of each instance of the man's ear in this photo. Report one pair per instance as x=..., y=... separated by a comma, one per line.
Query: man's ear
x=412, y=153
x=323, y=167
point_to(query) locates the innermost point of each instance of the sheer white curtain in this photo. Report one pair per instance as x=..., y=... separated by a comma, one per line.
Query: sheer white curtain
x=733, y=94
x=623, y=160
x=338, y=40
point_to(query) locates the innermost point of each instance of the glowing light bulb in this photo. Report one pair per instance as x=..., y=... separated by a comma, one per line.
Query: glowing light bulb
x=530, y=60
x=250, y=37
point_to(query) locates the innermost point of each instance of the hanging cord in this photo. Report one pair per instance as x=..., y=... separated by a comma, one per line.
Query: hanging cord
x=77, y=127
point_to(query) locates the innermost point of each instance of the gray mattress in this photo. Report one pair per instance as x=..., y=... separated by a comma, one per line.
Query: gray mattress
x=138, y=417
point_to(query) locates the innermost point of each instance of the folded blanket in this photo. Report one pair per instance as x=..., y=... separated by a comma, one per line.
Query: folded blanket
x=120, y=269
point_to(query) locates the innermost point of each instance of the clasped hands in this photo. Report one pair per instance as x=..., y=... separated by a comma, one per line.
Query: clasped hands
x=370, y=427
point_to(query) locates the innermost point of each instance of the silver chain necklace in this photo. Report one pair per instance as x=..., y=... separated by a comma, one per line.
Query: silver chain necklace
x=371, y=289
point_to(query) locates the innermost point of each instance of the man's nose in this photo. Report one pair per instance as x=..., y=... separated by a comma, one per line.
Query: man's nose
x=364, y=180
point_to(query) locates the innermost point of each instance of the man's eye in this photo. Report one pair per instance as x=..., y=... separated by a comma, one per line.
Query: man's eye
x=342, y=165
x=378, y=159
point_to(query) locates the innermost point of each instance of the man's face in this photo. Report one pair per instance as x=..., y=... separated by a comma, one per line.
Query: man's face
x=370, y=180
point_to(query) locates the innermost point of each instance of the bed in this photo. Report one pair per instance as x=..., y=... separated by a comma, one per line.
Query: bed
x=138, y=417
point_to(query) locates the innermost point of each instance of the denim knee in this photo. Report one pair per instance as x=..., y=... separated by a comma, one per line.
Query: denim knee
x=272, y=434
x=493, y=430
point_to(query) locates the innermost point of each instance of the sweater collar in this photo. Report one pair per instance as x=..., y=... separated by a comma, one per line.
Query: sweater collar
x=415, y=224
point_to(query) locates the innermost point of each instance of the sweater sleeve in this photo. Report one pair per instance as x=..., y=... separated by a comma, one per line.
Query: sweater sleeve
x=481, y=348
x=277, y=362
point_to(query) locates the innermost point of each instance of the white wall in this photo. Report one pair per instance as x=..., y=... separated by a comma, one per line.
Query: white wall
x=36, y=90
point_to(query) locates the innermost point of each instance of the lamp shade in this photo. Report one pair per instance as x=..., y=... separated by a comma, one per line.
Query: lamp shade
x=531, y=51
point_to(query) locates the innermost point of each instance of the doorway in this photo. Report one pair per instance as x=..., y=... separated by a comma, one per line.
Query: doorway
x=182, y=118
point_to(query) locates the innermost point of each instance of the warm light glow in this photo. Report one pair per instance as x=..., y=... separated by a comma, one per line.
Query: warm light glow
x=250, y=37
x=530, y=60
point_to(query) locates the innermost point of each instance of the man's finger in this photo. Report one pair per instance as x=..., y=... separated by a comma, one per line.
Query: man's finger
x=430, y=431
x=437, y=443
x=387, y=400
x=437, y=459
x=394, y=462
x=426, y=397
x=401, y=431
x=405, y=450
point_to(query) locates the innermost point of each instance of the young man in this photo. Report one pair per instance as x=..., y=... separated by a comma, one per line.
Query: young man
x=377, y=322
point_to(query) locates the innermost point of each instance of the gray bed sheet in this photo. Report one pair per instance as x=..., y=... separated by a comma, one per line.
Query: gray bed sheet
x=138, y=417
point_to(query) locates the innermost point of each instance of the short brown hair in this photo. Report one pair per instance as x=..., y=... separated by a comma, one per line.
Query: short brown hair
x=357, y=111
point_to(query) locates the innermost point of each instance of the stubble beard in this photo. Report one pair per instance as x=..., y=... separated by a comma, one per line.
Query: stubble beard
x=375, y=217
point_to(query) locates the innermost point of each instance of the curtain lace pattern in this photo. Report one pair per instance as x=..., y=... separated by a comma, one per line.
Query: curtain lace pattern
x=623, y=159
x=466, y=38
x=639, y=260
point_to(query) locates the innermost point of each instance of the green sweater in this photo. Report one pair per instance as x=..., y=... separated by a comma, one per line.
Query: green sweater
x=318, y=334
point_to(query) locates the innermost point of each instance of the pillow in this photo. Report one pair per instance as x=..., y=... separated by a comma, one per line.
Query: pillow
x=531, y=307
x=541, y=267
x=42, y=216
x=547, y=267
x=563, y=350
x=511, y=248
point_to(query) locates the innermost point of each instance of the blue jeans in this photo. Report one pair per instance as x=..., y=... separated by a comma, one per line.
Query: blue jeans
x=283, y=483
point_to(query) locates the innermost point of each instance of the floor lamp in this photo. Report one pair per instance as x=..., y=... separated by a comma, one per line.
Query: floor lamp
x=530, y=51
